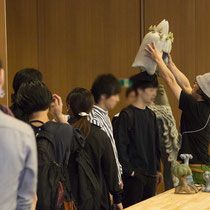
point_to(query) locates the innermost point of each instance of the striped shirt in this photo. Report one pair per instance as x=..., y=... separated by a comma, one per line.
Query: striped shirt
x=100, y=117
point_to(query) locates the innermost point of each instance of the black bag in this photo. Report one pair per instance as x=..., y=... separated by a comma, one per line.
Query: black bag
x=85, y=187
x=51, y=175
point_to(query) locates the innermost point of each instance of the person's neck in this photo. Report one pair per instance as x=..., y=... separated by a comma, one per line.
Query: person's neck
x=102, y=105
x=39, y=116
x=140, y=104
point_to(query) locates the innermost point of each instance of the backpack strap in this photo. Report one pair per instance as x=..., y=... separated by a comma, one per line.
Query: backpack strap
x=33, y=121
x=129, y=111
x=79, y=138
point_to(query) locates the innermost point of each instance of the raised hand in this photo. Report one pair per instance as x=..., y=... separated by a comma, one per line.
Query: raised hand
x=153, y=52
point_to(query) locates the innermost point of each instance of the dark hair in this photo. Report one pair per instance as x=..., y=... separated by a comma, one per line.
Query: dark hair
x=143, y=80
x=128, y=91
x=204, y=96
x=105, y=84
x=24, y=75
x=80, y=100
x=33, y=96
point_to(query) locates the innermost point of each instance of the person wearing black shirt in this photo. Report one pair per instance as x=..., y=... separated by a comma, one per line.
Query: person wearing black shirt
x=138, y=147
x=195, y=105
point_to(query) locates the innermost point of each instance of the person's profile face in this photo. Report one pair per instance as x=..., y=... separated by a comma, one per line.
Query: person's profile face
x=112, y=101
x=148, y=95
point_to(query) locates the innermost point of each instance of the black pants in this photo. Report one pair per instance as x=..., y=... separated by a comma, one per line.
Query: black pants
x=138, y=188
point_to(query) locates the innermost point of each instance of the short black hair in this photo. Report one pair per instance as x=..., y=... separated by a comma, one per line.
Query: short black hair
x=106, y=84
x=204, y=96
x=24, y=75
x=33, y=96
x=128, y=91
x=143, y=80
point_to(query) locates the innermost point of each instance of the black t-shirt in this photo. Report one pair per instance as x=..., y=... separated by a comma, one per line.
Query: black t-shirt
x=195, y=115
x=139, y=148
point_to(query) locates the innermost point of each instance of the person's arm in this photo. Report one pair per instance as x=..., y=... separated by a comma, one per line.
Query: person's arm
x=179, y=76
x=166, y=74
x=28, y=177
x=122, y=142
x=110, y=170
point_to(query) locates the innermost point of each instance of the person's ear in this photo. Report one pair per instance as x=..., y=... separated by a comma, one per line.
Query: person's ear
x=139, y=91
x=103, y=97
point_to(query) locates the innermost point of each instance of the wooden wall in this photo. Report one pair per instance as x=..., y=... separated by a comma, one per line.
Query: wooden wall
x=22, y=37
x=71, y=42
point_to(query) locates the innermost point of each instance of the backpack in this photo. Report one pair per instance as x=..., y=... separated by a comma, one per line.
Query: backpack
x=85, y=187
x=52, y=176
x=115, y=122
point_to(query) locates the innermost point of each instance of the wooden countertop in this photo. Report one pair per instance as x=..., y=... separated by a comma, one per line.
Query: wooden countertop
x=170, y=201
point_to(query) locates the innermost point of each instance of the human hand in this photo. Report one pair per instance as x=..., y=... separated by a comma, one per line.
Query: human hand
x=118, y=206
x=159, y=178
x=121, y=185
x=153, y=52
x=34, y=202
x=56, y=106
x=133, y=173
x=170, y=61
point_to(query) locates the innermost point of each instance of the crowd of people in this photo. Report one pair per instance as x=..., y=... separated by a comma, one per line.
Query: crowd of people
x=83, y=160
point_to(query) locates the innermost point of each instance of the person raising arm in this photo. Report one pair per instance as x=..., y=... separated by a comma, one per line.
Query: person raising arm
x=166, y=74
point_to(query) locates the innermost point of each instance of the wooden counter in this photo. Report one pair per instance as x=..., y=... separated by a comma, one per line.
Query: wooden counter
x=170, y=201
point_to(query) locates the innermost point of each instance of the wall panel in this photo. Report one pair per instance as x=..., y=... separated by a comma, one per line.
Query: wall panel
x=21, y=36
x=202, y=43
x=80, y=39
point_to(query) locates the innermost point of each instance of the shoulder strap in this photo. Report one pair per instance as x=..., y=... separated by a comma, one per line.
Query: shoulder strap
x=130, y=114
x=36, y=121
x=79, y=138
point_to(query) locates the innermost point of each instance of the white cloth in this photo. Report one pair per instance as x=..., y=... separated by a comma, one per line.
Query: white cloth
x=163, y=40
